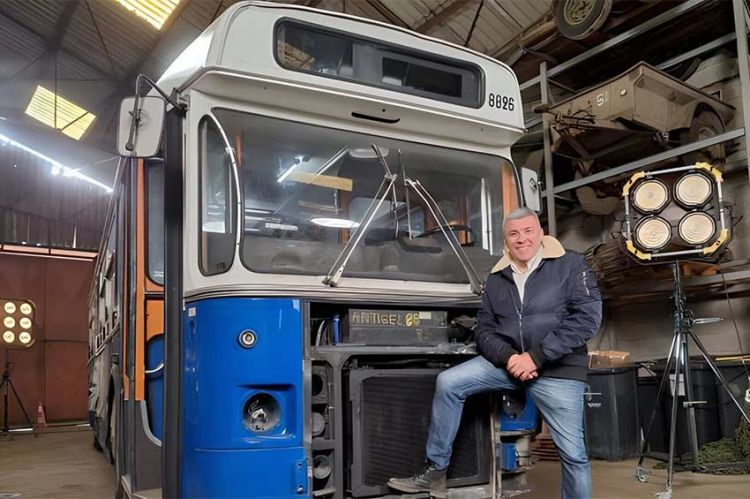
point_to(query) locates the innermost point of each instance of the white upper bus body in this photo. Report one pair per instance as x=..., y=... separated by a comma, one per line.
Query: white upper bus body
x=234, y=66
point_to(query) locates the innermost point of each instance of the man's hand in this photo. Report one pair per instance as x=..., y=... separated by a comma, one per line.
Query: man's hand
x=522, y=366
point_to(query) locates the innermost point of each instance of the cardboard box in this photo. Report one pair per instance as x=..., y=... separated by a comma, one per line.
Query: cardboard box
x=608, y=358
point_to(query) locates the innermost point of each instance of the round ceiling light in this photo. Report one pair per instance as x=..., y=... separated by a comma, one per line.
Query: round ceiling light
x=9, y=337
x=697, y=228
x=26, y=308
x=650, y=196
x=9, y=322
x=25, y=323
x=335, y=223
x=24, y=337
x=9, y=307
x=653, y=233
x=693, y=190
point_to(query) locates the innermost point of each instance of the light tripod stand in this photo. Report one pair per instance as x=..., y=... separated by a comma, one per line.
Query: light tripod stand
x=7, y=386
x=679, y=360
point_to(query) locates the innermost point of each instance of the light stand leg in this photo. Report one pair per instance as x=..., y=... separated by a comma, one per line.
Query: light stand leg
x=673, y=418
x=7, y=385
x=4, y=386
x=718, y=375
x=23, y=409
x=664, y=377
x=688, y=401
x=682, y=320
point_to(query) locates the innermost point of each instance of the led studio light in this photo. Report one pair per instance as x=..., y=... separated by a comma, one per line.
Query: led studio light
x=650, y=196
x=693, y=190
x=17, y=319
x=653, y=233
x=697, y=228
x=674, y=213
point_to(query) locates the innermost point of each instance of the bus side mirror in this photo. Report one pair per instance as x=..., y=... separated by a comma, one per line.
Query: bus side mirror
x=139, y=131
x=531, y=189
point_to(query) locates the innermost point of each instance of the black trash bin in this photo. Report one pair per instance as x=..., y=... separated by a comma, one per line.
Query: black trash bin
x=706, y=415
x=611, y=403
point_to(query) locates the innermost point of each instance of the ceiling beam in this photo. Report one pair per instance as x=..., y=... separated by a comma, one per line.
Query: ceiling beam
x=308, y=3
x=505, y=14
x=60, y=49
x=126, y=86
x=55, y=42
x=443, y=16
x=387, y=13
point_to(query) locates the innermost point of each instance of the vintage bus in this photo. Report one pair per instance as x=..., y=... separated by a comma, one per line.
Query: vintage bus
x=307, y=205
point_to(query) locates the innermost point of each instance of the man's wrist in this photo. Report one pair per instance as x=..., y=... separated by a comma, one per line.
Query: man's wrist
x=506, y=357
x=537, y=356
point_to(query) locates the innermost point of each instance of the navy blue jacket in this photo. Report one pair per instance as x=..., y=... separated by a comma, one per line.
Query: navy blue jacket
x=562, y=309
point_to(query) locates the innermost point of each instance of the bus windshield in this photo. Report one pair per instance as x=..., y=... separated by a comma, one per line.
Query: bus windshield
x=306, y=190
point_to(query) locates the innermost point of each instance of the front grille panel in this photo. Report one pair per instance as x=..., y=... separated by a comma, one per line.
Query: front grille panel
x=394, y=410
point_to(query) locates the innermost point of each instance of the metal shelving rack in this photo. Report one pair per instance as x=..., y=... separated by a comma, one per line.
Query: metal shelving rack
x=544, y=79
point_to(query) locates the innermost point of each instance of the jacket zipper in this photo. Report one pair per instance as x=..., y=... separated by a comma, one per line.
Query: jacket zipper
x=584, y=284
x=519, y=311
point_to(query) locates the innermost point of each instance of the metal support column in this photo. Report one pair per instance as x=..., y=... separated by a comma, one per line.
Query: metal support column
x=172, y=443
x=549, y=178
x=742, y=55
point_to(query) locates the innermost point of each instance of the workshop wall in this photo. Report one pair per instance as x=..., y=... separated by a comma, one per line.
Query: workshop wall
x=53, y=371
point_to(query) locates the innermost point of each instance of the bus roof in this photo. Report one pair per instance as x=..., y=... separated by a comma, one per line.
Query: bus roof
x=243, y=41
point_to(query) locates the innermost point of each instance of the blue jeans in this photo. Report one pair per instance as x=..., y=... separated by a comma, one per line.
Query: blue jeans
x=559, y=400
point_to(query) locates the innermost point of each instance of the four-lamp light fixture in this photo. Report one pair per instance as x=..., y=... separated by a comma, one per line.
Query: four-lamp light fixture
x=673, y=213
x=17, y=324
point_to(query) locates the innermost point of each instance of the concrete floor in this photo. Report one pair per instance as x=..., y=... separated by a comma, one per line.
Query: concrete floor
x=60, y=463
x=617, y=481
x=63, y=464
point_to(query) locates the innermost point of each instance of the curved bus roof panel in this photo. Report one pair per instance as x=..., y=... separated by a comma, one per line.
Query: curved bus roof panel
x=453, y=82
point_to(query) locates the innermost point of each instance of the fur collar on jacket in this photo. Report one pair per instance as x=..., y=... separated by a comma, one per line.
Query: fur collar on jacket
x=551, y=248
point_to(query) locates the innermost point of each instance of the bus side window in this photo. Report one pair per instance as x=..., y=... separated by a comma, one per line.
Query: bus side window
x=217, y=204
x=155, y=220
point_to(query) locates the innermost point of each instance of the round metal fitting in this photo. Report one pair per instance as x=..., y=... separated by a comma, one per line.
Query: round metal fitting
x=248, y=338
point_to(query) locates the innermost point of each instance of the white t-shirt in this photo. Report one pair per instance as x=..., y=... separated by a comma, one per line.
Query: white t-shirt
x=519, y=277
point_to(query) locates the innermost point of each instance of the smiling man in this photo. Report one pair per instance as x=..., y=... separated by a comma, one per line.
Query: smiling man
x=540, y=306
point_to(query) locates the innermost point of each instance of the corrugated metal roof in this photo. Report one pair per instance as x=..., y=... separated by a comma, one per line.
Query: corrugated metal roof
x=200, y=14
x=20, y=46
x=93, y=68
x=41, y=16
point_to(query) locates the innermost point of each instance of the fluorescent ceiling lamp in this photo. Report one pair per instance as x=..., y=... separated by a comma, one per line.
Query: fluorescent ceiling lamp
x=335, y=223
x=154, y=12
x=72, y=120
x=57, y=167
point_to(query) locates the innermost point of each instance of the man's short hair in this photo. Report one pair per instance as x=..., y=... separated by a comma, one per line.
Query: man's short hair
x=521, y=212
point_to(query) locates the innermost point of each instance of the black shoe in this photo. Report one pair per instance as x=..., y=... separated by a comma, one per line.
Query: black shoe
x=429, y=479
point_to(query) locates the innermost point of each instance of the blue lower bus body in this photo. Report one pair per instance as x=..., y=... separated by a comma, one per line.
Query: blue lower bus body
x=243, y=405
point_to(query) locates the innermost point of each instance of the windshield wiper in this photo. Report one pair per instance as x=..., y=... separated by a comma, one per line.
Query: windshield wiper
x=333, y=276
x=474, y=281
x=388, y=186
x=406, y=195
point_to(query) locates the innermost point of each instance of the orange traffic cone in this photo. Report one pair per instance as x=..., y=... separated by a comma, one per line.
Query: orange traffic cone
x=41, y=420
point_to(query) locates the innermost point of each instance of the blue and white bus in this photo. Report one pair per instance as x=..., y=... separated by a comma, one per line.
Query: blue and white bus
x=333, y=195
